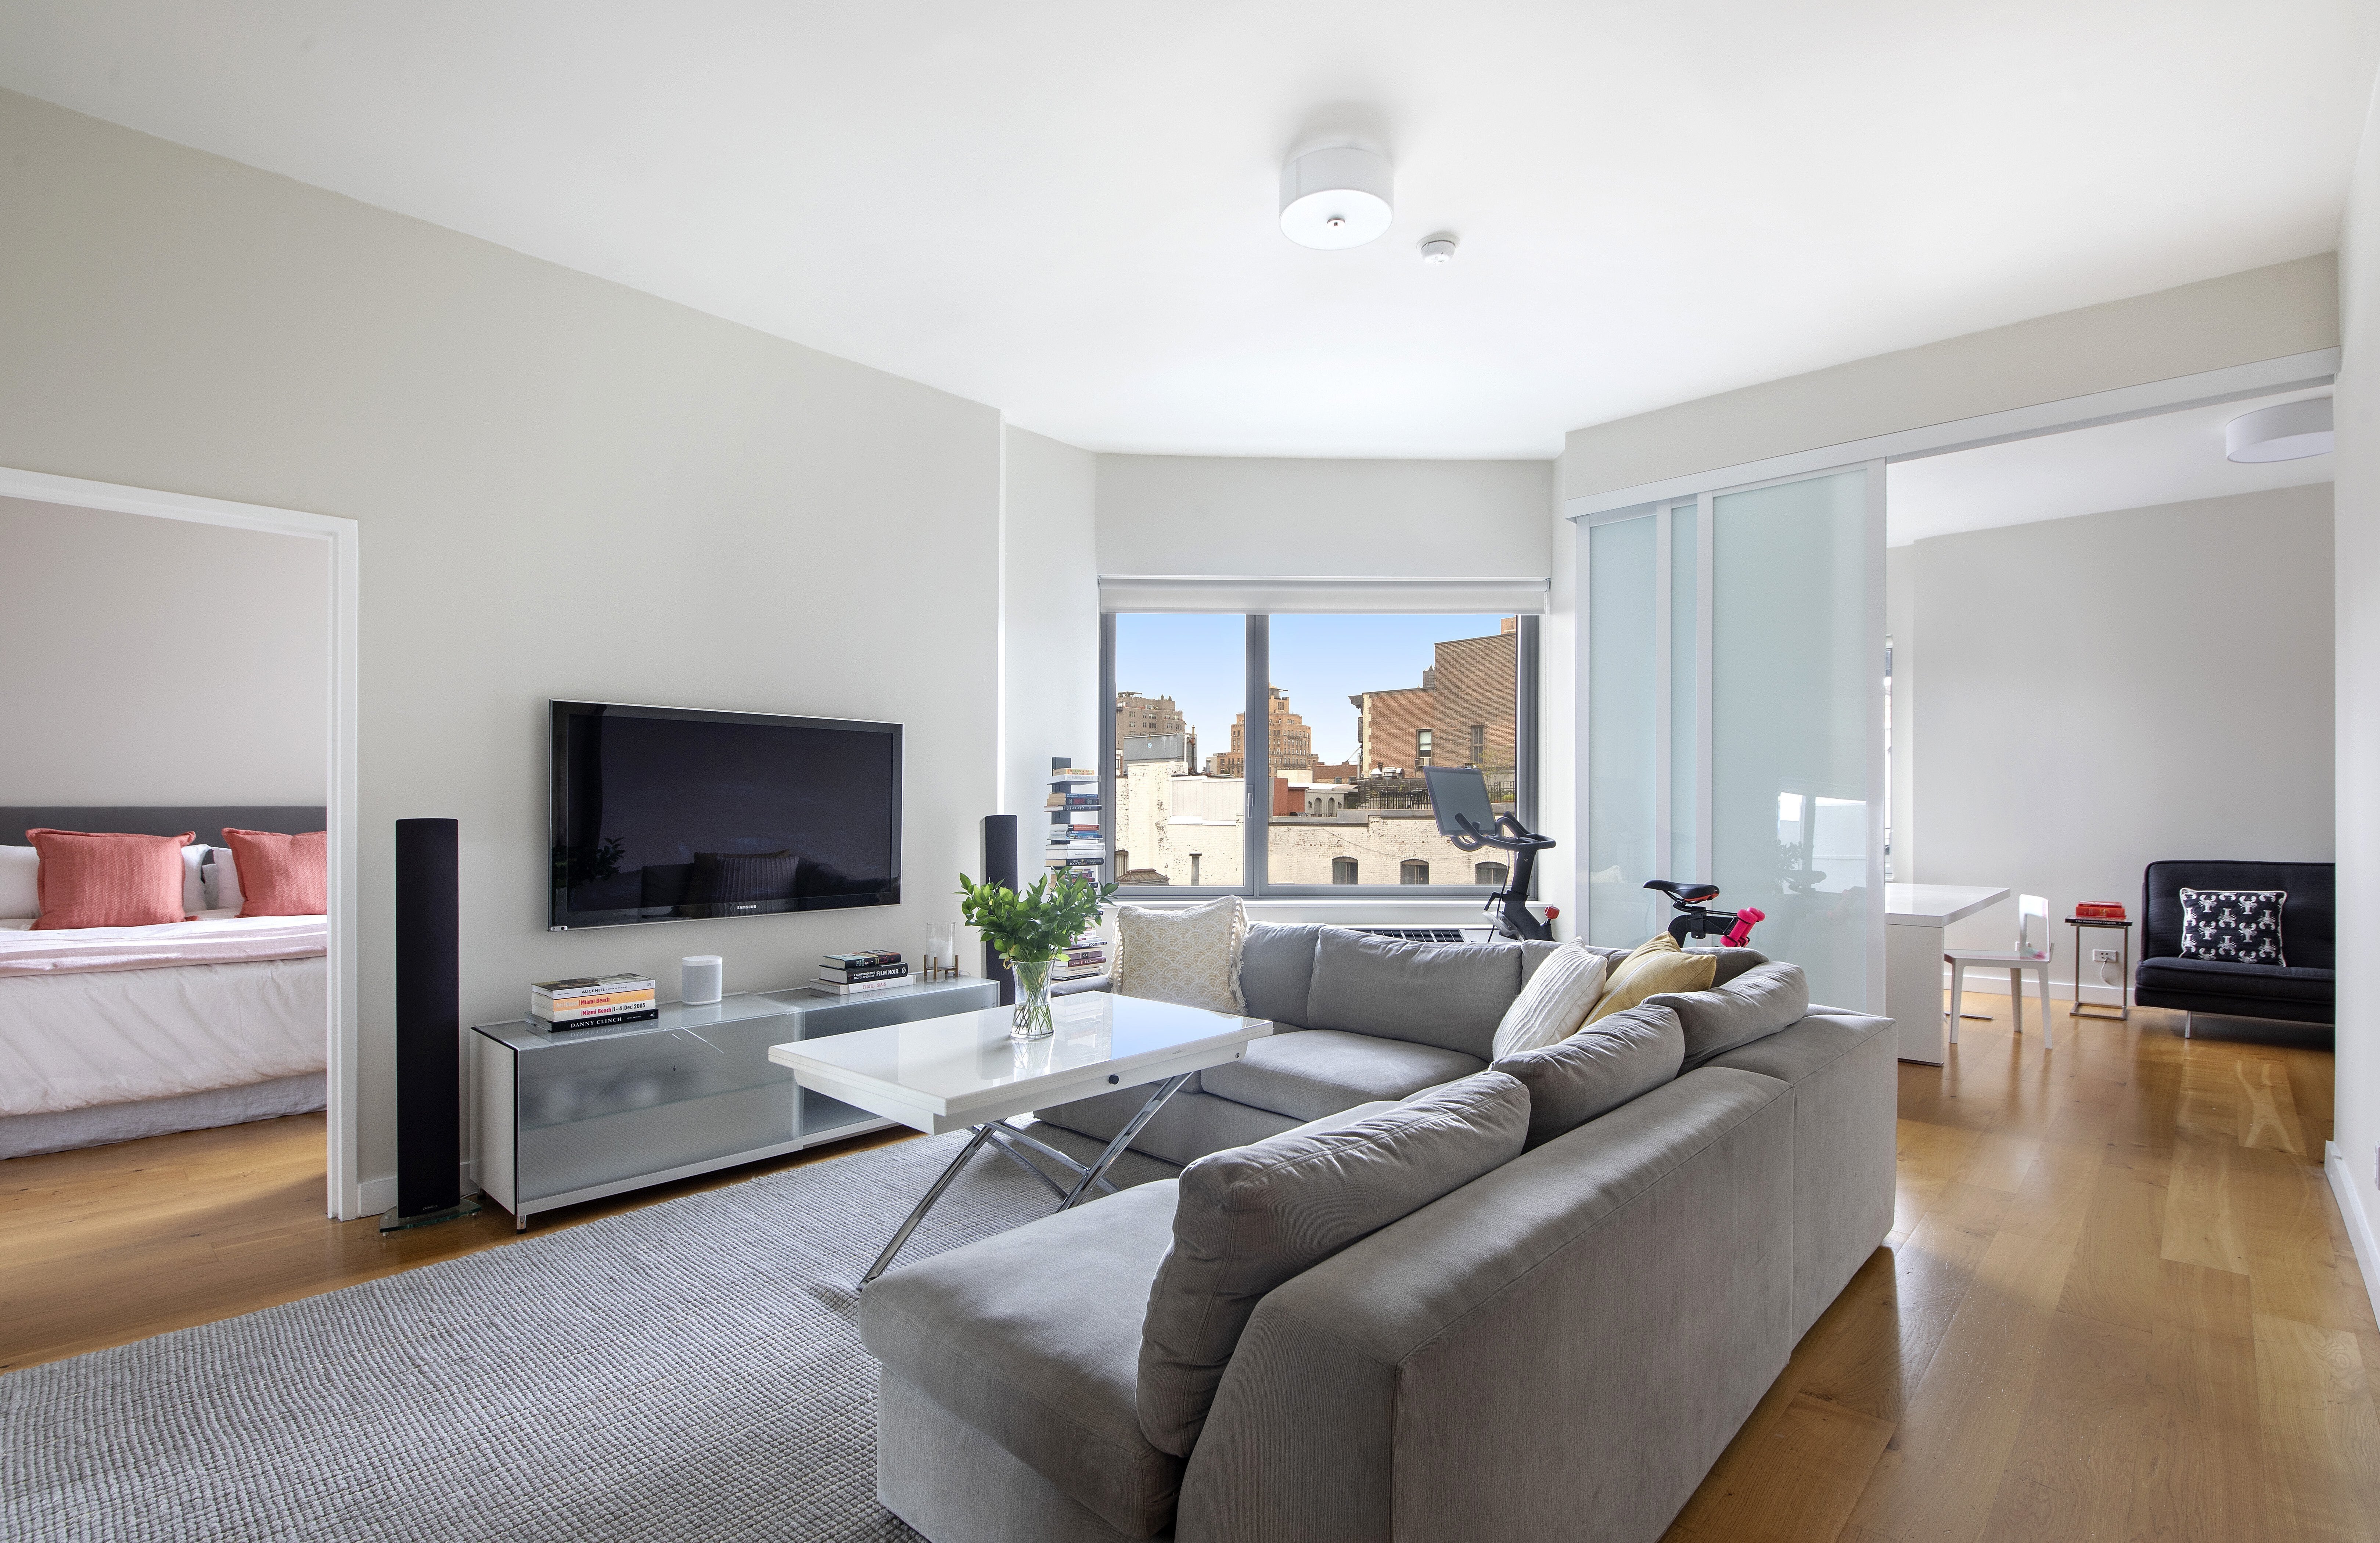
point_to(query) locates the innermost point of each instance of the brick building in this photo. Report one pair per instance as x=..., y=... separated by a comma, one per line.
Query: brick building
x=1289, y=744
x=1463, y=713
x=1139, y=717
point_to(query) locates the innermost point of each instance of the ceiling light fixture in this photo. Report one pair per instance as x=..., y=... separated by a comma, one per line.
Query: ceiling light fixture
x=1438, y=249
x=1335, y=199
x=2288, y=433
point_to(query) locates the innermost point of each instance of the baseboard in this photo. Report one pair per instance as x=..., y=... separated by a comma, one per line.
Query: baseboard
x=378, y=1194
x=1994, y=982
x=2359, y=1222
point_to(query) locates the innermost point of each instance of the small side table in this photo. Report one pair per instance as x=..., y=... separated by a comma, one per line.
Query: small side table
x=2123, y=1010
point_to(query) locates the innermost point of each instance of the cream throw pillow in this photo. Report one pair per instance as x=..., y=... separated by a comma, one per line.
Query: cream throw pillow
x=1554, y=1004
x=1189, y=956
x=1658, y=965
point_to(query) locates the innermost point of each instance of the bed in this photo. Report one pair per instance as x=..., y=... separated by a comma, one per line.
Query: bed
x=115, y=1032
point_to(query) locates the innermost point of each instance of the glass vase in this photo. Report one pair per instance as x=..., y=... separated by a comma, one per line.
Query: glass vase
x=1031, y=1019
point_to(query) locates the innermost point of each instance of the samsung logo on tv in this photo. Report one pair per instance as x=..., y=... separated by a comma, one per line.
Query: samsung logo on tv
x=747, y=908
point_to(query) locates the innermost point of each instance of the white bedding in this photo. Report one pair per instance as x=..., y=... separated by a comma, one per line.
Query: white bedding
x=210, y=938
x=76, y=1038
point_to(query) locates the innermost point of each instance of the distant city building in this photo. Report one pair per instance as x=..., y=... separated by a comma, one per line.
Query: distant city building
x=1139, y=717
x=1336, y=772
x=1289, y=746
x=1465, y=712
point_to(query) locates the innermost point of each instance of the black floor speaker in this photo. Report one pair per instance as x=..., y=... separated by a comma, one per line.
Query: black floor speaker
x=429, y=1027
x=1000, y=868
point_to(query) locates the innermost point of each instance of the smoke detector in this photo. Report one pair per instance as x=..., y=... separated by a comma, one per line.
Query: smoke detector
x=1334, y=198
x=1437, y=251
x=2288, y=433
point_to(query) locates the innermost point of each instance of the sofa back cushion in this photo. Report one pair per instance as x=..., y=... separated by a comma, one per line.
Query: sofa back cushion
x=2309, y=918
x=1595, y=1071
x=1450, y=995
x=1755, y=1004
x=1277, y=971
x=1247, y=1219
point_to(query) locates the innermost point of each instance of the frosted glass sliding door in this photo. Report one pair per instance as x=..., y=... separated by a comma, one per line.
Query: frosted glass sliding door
x=1623, y=720
x=1796, y=725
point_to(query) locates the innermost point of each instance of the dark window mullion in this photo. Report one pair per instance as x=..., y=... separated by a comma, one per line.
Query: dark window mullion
x=1256, y=762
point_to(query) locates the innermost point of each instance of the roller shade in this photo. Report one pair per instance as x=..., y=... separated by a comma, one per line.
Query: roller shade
x=1507, y=597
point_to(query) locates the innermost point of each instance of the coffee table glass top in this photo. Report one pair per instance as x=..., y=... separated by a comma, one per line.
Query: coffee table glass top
x=966, y=1061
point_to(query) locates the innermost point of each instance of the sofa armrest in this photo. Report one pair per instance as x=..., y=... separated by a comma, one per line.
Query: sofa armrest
x=1561, y=1347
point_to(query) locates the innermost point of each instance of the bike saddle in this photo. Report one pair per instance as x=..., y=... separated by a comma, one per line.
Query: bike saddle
x=1684, y=894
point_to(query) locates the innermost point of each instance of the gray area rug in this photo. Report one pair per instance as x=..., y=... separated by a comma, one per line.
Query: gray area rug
x=689, y=1370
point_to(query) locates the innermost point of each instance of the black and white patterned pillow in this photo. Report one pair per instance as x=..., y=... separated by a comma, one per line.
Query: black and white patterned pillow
x=2242, y=926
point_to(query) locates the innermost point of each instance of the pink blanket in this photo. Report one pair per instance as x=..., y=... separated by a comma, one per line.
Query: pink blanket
x=213, y=938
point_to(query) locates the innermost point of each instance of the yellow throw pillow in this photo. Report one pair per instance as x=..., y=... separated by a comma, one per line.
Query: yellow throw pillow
x=1658, y=965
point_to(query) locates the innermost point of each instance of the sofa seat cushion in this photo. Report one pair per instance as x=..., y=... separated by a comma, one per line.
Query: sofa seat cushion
x=1450, y=995
x=2230, y=978
x=1323, y=1071
x=1033, y=1336
x=1755, y=1004
x=1607, y=1064
x=1252, y=1218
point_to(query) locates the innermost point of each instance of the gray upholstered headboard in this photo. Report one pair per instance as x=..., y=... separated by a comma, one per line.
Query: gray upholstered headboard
x=207, y=820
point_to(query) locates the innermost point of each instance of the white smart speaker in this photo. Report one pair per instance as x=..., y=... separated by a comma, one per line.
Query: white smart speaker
x=700, y=978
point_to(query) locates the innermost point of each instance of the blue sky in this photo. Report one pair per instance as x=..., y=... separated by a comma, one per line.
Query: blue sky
x=1201, y=663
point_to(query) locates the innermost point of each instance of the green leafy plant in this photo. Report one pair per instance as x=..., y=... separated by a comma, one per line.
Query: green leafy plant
x=1039, y=924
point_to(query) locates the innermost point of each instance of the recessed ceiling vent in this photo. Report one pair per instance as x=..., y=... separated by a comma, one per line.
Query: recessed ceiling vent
x=2288, y=433
x=1335, y=199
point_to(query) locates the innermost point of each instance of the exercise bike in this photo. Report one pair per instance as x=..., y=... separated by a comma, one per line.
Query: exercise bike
x=1695, y=918
x=1457, y=794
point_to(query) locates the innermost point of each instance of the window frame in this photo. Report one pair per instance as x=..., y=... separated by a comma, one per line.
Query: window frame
x=1256, y=807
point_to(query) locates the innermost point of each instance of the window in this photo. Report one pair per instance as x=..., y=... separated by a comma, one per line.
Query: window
x=1329, y=795
x=1493, y=875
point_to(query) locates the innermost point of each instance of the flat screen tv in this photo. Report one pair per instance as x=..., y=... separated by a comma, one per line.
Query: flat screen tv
x=673, y=814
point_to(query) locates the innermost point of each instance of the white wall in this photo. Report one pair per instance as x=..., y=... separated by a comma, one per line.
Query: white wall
x=2096, y=693
x=1050, y=626
x=2358, y=579
x=565, y=488
x=157, y=662
x=2264, y=313
x=1217, y=515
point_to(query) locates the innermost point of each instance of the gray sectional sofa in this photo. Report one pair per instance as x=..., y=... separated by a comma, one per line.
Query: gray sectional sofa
x=1555, y=1336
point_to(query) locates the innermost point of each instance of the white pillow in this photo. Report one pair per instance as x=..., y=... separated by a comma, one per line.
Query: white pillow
x=226, y=883
x=194, y=883
x=20, y=881
x=1190, y=957
x=1555, y=1002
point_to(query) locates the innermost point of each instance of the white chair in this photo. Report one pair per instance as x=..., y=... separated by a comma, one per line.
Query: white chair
x=2025, y=957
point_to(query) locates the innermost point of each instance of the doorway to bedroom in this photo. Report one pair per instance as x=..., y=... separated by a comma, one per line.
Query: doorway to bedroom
x=166, y=1005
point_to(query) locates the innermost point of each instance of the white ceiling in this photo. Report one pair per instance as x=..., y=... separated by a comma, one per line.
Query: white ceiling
x=2136, y=465
x=1068, y=209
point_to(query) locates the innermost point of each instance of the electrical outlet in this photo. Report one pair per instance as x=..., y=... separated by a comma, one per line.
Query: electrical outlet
x=2103, y=956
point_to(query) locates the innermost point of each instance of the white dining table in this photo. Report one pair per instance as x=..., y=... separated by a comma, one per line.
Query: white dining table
x=1914, y=916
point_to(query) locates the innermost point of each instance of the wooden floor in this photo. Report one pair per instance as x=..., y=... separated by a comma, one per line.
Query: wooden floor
x=2117, y=1301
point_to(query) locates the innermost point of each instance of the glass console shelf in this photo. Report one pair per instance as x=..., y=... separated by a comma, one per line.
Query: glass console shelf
x=576, y=1114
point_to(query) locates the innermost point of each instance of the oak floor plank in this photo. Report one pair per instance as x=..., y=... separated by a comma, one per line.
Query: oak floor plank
x=2202, y=1223
x=2268, y=1110
x=2116, y=1258
x=2070, y=1472
x=2321, y=1444
x=2204, y=1458
x=1952, y=1441
x=1813, y=1462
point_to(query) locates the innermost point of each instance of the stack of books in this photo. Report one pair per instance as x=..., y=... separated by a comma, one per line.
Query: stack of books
x=2099, y=910
x=593, y=1000
x=1076, y=841
x=1085, y=959
x=851, y=975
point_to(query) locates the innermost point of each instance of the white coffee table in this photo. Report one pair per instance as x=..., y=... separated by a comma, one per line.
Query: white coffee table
x=940, y=1075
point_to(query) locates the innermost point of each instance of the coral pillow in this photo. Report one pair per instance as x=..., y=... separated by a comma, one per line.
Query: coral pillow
x=282, y=876
x=108, y=879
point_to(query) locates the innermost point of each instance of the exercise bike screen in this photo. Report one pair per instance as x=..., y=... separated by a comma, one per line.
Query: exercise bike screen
x=1460, y=790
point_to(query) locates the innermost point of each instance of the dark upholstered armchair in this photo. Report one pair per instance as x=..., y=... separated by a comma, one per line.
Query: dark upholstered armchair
x=2299, y=991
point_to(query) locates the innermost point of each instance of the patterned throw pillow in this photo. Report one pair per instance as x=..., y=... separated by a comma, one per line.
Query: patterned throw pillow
x=1190, y=957
x=2242, y=926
